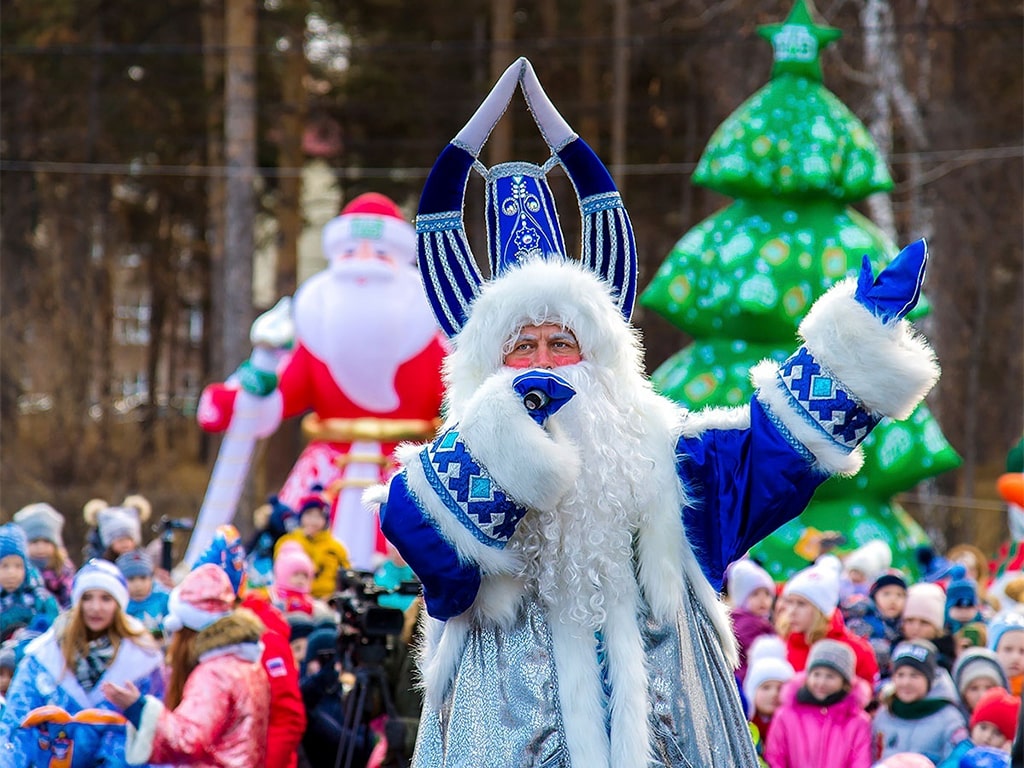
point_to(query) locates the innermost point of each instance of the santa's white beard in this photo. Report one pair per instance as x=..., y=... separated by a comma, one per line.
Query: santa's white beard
x=363, y=321
x=579, y=556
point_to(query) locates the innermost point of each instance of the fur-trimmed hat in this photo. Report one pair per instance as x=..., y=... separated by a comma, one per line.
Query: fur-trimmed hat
x=834, y=655
x=999, y=707
x=819, y=584
x=743, y=577
x=766, y=660
x=13, y=541
x=203, y=597
x=41, y=521
x=919, y=654
x=100, y=574
x=975, y=663
x=927, y=602
x=375, y=217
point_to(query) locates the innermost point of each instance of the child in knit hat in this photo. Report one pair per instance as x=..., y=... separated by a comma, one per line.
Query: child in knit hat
x=293, y=579
x=924, y=616
x=327, y=553
x=962, y=606
x=43, y=526
x=917, y=716
x=862, y=566
x=1006, y=638
x=146, y=602
x=767, y=672
x=117, y=529
x=812, y=598
x=8, y=660
x=751, y=595
x=877, y=619
x=977, y=670
x=822, y=721
x=993, y=725
x=23, y=597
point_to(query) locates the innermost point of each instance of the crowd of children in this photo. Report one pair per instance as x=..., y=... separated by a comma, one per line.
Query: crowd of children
x=114, y=660
x=848, y=663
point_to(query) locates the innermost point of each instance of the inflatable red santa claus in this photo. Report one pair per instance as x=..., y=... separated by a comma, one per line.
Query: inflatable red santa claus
x=366, y=368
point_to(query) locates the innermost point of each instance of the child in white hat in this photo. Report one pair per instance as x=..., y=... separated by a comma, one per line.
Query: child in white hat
x=924, y=618
x=751, y=597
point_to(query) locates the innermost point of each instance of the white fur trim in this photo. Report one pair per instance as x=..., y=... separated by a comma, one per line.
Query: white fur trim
x=889, y=368
x=489, y=559
x=139, y=743
x=498, y=601
x=559, y=291
x=347, y=230
x=696, y=422
x=528, y=463
x=189, y=615
x=828, y=456
x=580, y=696
x=439, y=656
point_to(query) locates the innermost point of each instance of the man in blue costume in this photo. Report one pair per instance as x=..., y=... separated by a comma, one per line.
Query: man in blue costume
x=571, y=527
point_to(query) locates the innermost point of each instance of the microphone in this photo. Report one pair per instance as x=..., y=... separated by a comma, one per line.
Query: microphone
x=535, y=399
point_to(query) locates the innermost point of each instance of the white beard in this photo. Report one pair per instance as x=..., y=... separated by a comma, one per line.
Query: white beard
x=363, y=320
x=579, y=556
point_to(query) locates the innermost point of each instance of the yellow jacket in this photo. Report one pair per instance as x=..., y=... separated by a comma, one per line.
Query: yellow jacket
x=328, y=556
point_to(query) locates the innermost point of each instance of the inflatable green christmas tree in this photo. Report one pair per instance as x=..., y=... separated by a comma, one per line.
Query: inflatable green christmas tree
x=794, y=158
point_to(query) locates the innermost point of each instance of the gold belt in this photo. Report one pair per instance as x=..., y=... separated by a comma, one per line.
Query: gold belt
x=367, y=428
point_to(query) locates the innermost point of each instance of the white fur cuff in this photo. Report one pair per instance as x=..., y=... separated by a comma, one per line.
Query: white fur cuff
x=888, y=368
x=139, y=743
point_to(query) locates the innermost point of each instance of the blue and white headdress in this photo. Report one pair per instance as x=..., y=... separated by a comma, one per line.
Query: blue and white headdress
x=522, y=223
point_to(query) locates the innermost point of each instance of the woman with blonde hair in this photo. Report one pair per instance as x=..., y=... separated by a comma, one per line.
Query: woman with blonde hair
x=63, y=673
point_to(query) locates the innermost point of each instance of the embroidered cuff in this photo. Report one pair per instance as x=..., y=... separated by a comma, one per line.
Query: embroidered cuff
x=468, y=491
x=821, y=401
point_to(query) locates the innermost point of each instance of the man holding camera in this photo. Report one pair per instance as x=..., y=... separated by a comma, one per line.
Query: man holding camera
x=571, y=527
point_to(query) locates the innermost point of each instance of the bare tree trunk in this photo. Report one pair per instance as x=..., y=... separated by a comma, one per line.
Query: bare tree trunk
x=293, y=123
x=499, y=145
x=875, y=50
x=240, y=209
x=620, y=90
x=240, y=157
x=590, y=74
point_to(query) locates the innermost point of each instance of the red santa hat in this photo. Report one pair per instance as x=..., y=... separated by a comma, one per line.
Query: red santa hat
x=371, y=216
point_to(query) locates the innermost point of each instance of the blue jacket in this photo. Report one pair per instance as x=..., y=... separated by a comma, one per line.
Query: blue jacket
x=41, y=679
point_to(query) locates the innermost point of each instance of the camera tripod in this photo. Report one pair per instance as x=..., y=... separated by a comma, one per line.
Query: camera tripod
x=370, y=678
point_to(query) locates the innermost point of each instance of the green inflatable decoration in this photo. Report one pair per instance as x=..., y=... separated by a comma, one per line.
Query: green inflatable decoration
x=794, y=157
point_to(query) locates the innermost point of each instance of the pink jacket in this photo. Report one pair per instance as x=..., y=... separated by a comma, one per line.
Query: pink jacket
x=221, y=721
x=824, y=737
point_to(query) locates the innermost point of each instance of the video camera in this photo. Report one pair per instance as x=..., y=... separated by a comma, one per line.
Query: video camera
x=166, y=526
x=357, y=602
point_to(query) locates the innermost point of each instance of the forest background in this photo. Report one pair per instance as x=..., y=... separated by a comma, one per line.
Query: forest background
x=148, y=138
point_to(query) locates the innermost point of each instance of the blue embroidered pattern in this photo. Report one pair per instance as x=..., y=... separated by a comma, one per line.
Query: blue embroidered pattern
x=468, y=492
x=816, y=394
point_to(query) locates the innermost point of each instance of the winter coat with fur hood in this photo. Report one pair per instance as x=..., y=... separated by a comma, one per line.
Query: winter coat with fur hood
x=221, y=720
x=802, y=735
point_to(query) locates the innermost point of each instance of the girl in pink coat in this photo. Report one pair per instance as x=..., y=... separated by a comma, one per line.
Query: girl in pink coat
x=218, y=697
x=822, y=722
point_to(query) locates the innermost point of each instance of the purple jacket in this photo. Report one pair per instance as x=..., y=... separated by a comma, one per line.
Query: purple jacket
x=747, y=627
x=825, y=737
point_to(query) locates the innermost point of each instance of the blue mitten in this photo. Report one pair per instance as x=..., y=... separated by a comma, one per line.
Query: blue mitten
x=543, y=393
x=896, y=290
